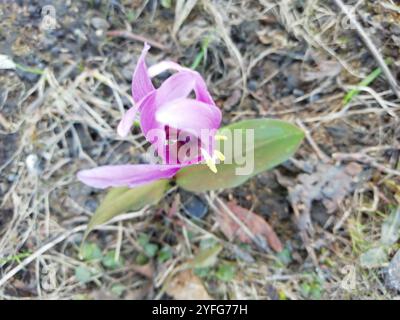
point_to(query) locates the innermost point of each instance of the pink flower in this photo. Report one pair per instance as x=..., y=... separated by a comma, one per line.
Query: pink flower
x=166, y=114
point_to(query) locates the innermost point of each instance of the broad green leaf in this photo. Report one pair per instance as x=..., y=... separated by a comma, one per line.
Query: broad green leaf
x=122, y=199
x=275, y=141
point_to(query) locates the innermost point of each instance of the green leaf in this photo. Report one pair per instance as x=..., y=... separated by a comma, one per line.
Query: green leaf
x=150, y=249
x=226, y=272
x=83, y=274
x=121, y=200
x=206, y=257
x=202, y=272
x=166, y=3
x=285, y=256
x=202, y=54
x=275, y=141
x=118, y=289
x=143, y=239
x=110, y=262
x=90, y=251
x=164, y=254
x=364, y=83
x=141, y=259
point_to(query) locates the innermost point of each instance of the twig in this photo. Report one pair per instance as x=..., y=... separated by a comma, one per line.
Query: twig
x=321, y=155
x=366, y=159
x=371, y=47
x=129, y=35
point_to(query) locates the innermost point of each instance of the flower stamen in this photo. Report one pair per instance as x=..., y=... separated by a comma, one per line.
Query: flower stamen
x=219, y=155
x=210, y=161
x=220, y=137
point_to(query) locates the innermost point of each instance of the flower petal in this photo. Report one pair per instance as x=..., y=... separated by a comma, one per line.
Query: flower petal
x=200, y=88
x=126, y=122
x=176, y=86
x=128, y=118
x=147, y=116
x=126, y=175
x=189, y=115
x=141, y=82
x=163, y=66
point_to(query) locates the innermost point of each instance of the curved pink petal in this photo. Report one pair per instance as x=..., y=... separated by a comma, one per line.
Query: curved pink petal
x=200, y=88
x=147, y=116
x=126, y=122
x=189, y=115
x=179, y=85
x=153, y=130
x=126, y=175
x=128, y=118
x=176, y=87
x=141, y=82
x=163, y=66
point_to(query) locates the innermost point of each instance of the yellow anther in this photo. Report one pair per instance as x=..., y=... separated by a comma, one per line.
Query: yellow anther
x=219, y=155
x=210, y=161
x=211, y=164
x=220, y=137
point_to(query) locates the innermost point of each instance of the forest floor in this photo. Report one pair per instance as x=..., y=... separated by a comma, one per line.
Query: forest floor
x=333, y=210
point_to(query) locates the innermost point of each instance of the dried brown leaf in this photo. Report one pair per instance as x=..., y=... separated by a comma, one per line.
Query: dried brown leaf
x=256, y=224
x=186, y=286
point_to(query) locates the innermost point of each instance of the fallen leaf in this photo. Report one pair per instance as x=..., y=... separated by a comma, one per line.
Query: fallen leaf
x=186, y=286
x=232, y=100
x=206, y=258
x=326, y=183
x=326, y=69
x=256, y=224
x=146, y=270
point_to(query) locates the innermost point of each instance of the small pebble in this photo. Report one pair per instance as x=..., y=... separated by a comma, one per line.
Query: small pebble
x=100, y=23
x=33, y=164
x=252, y=85
x=314, y=98
x=298, y=92
x=195, y=207
x=91, y=205
x=11, y=177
